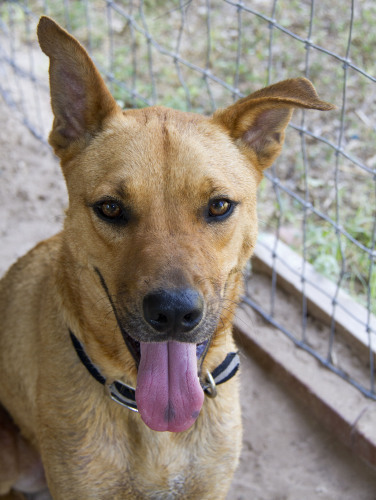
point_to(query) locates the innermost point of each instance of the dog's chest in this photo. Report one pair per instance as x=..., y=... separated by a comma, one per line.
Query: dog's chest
x=167, y=470
x=166, y=484
x=175, y=488
x=165, y=466
x=142, y=479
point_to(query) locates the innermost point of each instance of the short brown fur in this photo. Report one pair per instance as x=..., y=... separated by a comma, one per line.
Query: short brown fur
x=165, y=166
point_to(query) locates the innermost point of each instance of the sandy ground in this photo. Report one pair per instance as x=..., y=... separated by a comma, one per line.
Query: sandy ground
x=286, y=453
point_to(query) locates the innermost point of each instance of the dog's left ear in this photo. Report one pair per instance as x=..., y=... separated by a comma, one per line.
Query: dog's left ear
x=258, y=122
x=80, y=99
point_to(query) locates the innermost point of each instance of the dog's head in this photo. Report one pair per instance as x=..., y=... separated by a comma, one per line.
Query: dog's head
x=161, y=219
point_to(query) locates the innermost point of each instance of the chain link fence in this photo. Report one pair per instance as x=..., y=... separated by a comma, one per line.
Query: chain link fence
x=319, y=198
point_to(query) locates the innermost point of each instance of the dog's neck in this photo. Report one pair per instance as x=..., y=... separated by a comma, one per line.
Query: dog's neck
x=125, y=395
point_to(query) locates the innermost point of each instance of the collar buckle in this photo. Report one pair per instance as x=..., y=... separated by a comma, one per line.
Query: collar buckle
x=123, y=394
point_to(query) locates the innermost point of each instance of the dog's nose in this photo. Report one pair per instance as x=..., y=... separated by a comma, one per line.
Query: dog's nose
x=173, y=311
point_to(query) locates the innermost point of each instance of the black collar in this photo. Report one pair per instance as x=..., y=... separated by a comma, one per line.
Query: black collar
x=125, y=395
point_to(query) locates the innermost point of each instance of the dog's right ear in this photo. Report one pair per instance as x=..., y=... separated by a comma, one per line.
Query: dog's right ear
x=80, y=99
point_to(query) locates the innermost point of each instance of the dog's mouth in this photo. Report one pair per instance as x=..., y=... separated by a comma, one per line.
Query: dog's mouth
x=169, y=395
x=134, y=348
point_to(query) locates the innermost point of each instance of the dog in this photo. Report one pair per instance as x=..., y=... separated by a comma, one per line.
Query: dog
x=118, y=368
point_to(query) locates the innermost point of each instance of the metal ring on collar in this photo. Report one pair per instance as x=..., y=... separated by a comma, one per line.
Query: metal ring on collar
x=211, y=389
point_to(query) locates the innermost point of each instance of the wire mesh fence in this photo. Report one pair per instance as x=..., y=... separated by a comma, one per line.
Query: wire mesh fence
x=319, y=198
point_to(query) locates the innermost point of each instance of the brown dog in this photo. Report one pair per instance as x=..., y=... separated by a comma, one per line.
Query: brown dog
x=139, y=289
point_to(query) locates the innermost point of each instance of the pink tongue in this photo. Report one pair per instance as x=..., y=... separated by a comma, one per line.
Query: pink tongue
x=168, y=395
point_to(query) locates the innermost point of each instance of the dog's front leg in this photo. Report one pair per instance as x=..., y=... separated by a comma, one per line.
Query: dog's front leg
x=82, y=442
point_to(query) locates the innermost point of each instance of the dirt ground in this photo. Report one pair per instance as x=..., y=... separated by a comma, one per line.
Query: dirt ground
x=286, y=453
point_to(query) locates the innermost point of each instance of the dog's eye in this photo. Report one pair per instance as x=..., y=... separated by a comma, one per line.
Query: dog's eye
x=110, y=210
x=220, y=208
